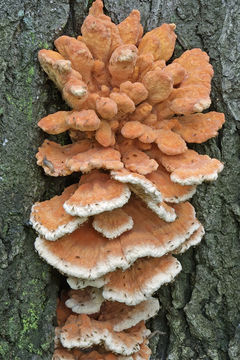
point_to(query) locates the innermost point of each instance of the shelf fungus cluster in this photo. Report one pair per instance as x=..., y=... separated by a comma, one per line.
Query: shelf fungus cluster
x=115, y=233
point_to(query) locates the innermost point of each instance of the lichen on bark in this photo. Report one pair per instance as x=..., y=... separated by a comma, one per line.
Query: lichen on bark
x=200, y=317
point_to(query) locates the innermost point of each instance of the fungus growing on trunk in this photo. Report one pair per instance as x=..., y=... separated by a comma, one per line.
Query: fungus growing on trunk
x=130, y=120
x=50, y=219
x=88, y=255
x=83, y=332
x=96, y=193
x=112, y=224
x=87, y=301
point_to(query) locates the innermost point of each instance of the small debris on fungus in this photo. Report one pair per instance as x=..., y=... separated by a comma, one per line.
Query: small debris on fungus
x=130, y=121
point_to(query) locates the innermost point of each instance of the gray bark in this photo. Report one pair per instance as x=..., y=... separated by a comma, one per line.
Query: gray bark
x=199, y=318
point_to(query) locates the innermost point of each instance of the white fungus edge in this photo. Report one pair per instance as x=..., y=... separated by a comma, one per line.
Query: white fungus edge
x=194, y=240
x=179, y=199
x=116, y=232
x=112, y=341
x=76, y=283
x=147, y=186
x=147, y=288
x=98, y=208
x=61, y=230
x=90, y=306
x=196, y=180
x=150, y=309
x=110, y=264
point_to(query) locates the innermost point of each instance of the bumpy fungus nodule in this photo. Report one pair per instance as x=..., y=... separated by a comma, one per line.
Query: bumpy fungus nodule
x=131, y=119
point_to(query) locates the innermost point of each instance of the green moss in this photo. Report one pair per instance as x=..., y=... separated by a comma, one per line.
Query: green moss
x=13, y=327
x=10, y=99
x=5, y=230
x=33, y=37
x=30, y=75
x=44, y=45
x=45, y=275
x=4, y=349
x=30, y=322
x=34, y=282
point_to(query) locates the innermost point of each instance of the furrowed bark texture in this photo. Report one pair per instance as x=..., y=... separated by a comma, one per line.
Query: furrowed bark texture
x=200, y=317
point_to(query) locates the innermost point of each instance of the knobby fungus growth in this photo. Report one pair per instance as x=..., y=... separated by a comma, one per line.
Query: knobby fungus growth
x=115, y=233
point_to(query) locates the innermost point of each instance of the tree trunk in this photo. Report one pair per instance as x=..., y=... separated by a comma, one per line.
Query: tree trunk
x=200, y=311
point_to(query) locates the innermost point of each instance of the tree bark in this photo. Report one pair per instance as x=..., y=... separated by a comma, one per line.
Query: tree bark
x=199, y=318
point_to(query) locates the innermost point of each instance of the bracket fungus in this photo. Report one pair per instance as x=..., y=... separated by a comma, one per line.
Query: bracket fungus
x=114, y=233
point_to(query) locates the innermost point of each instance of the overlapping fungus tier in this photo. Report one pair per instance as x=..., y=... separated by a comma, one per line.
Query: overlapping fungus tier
x=135, y=284
x=86, y=254
x=114, y=233
x=119, y=326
